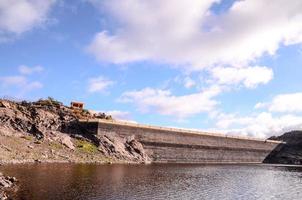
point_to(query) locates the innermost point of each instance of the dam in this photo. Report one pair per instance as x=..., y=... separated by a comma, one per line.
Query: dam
x=174, y=145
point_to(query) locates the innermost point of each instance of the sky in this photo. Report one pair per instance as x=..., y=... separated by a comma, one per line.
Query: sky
x=225, y=66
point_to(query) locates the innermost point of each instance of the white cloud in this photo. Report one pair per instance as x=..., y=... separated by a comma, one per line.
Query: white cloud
x=99, y=84
x=260, y=105
x=262, y=125
x=284, y=103
x=19, y=82
x=13, y=80
x=163, y=102
x=185, y=81
x=23, y=69
x=189, y=83
x=19, y=16
x=250, y=77
x=33, y=85
x=268, y=122
x=185, y=32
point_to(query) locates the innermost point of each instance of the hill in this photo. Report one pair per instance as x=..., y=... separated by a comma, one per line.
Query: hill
x=288, y=153
x=48, y=131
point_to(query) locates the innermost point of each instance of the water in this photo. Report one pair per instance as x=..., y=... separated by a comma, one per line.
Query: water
x=94, y=182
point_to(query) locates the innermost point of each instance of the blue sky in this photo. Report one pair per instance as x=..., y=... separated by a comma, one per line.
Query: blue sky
x=224, y=66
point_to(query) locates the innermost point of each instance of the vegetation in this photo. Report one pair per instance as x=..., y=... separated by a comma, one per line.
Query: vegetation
x=28, y=137
x=49, y=102
x=86, y=147
x=55, y=145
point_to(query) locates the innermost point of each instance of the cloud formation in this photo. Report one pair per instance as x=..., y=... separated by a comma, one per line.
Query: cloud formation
x=20, y=84
x=189, y=83
x=19, y=16
x=26, y=70
x=189, y=34
x=278, y=116
x=163, y=102
x=261, y=125
x=99, y=84
x=284, y=103
x=250, y=77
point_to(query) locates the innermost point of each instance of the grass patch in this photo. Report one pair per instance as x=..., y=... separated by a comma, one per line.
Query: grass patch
x=28, y=137
x=55, y=145
x=86, y=147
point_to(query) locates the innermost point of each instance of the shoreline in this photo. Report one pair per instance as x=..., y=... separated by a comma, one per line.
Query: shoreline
x=45, y=162
x=21, y=162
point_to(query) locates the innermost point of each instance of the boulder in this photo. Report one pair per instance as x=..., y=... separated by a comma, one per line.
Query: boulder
x=4, y=104
x=7, y=181
x=66, y=140
x=124, y=149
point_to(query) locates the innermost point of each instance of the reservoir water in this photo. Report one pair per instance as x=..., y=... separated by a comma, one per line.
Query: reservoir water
x=169, y=181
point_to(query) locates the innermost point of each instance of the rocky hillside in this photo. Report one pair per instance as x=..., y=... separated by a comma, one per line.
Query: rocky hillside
x=288, y=153
x=48, y=131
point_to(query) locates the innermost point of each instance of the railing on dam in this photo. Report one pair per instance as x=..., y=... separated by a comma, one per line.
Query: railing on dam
x=171, y=129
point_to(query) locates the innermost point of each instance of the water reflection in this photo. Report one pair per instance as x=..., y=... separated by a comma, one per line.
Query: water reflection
x=67, y=181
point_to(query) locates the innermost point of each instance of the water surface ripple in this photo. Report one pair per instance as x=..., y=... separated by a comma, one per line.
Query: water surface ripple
x=155, y=182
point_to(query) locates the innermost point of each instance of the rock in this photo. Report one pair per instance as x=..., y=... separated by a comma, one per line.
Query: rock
x=66, y=140
x=3, y=196
x=288, y=153
x=50, y=122
x=5, y=104
x=6, y=148
x=34, y=118
x=12, y=179
x=136, y=146
x=6, y=183
x=123, y=149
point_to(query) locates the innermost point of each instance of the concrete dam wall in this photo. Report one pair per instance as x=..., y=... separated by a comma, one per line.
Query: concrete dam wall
x=169, y=145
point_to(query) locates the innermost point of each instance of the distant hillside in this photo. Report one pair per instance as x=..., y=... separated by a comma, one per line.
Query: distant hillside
x=288, y=153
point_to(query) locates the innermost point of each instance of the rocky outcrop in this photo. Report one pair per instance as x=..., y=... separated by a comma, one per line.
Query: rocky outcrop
x=34, y=118
x=50, y=123
x=123, y=148
x=7, y=185
x=288, y=153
